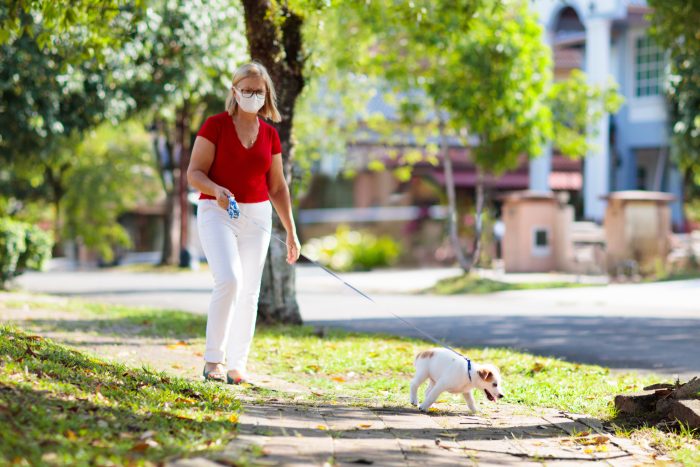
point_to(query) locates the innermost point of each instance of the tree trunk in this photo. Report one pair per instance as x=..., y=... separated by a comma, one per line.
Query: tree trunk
x=182, y=150
x=169, y=251
x=478, y=224
x=56, y=183
x=451, y=199
x=277, y=44
x=165, y=164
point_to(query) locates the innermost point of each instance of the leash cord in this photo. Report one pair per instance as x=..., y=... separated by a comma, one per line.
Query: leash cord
x=234, y=212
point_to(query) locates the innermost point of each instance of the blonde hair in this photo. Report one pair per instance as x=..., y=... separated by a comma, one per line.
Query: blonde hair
x=255, y=69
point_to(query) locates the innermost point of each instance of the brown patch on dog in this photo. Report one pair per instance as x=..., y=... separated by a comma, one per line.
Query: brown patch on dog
x=486, y=375
x=425, y=354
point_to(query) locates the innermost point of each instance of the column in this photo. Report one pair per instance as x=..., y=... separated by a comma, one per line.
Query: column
x=540, y=168
x=596, y=178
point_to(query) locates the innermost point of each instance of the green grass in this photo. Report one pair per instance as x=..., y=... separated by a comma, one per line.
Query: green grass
x=62, y=407
x=677, y=276
x=116, y=319
x=379, y=367
x=471, y=284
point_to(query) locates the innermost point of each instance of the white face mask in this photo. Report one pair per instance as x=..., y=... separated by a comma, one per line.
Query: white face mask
x=250, y=104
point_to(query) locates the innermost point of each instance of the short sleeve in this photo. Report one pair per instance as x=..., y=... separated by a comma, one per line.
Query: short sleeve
x=276, y=145
x=211, y=129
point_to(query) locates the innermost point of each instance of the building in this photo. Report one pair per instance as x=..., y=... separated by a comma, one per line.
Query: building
x=609, y=39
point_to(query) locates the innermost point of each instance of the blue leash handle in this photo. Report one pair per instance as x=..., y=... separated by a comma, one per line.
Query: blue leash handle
x=233, y=210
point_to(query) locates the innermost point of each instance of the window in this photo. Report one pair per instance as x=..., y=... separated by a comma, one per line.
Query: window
x=541, y=238
x=540, y=241
x=649, y=68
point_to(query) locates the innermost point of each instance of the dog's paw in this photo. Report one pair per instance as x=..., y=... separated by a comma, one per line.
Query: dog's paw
x=423, y=408
x=414, y=402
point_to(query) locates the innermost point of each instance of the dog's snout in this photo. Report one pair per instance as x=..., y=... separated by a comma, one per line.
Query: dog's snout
x=500, y=396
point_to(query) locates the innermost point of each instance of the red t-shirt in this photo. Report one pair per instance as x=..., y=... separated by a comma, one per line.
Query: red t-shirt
x=243, y=171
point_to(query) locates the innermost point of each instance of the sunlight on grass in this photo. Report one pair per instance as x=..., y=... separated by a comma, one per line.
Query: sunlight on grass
x=471, y=284
x=380, y=367
x=61, y=406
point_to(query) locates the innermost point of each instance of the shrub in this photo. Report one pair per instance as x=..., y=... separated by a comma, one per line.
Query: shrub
x=351, y=250
x=22, y=246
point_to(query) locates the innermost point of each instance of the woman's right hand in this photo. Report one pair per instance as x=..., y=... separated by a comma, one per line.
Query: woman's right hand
x=222, y=195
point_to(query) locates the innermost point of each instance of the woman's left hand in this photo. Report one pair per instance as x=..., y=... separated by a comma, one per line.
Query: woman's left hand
x=293, y=248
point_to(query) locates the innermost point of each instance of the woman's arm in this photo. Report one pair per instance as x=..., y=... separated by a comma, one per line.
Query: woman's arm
x=279, y=196
x=200, y=162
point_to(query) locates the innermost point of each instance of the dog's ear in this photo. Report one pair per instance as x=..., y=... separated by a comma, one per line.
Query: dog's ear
x=485, y=374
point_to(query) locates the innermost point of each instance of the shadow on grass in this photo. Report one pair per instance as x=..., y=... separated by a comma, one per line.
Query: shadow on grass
x=122, y=321
x=62, y=406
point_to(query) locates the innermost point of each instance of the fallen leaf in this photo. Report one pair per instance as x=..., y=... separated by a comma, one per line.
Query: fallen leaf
x=364, y=425
x=339, y=379
x=177, y=345
x=70, y=434
x=537, y=367
x=143, y=445
x=322, y=427
x=233, y=418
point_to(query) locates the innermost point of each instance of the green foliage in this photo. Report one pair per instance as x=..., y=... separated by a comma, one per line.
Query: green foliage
x=349, y=250
x=575, y=104
x=64, y=407
x=22, y=246
x=483, y=66
x=37, y=253
x=113, y=171
x=86, y=27
x=674, y=25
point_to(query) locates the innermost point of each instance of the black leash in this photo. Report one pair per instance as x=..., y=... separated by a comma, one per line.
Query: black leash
x=234, y=212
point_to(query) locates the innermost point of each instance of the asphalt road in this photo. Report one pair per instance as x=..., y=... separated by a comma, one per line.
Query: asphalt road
x=641, y=326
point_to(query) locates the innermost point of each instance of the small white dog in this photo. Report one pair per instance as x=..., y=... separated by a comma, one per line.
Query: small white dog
x=448, y=372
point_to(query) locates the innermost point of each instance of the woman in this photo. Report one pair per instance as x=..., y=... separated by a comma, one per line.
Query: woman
x=237, y=154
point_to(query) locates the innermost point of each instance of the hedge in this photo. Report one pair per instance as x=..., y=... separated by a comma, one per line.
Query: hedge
x=22, y=246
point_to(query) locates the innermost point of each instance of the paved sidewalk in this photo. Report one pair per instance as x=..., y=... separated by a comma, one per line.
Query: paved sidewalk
x=349, y=431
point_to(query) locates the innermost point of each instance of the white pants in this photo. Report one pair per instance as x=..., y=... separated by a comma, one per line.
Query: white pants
x=236, y=251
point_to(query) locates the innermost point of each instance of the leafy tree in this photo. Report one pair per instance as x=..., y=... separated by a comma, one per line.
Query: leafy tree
x=44, y=102
x=112, y=171
x=480, y=71
x=87, y=26
x=275, y=38
x=675, y=27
